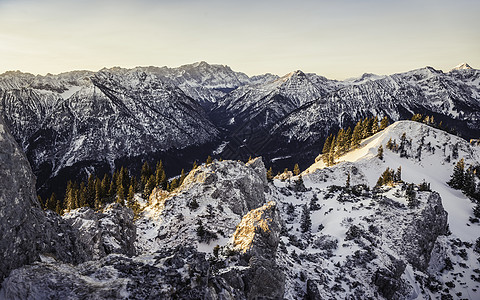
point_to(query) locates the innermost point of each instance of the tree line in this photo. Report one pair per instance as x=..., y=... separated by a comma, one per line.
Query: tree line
x=121, y=187
x=348, y=139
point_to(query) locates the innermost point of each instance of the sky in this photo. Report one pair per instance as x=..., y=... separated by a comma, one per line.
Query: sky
x=337, y=39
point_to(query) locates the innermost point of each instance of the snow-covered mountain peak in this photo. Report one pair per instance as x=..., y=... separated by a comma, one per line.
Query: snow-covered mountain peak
x=462, y=66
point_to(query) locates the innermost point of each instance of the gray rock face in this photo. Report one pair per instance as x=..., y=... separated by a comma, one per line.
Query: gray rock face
x=180, y=273
x=427, y=225
x=388, y=280
x=26, y=231
x=256, y=239
x=20, y=212
x=106, y=232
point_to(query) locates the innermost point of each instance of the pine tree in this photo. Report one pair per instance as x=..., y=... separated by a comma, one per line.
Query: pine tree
x=51, y=202
x=375, y=128
x=149, y=187
x=326, y=149
x=130, y=196
x=356, y=135
x=347, y=183
x=210, y=160
x=270, y=174
x=457, y=180
x=98, y=193
x=389, y=144
x=331, y=154
x=195, y=165
x=417, y=118
x=305, y=221
x=384, y=123
x=182, y=177
x=59, y=207
x=398, y=175
x=160, y=176
x=296, y=170
x=145, y=173
x=380, y=152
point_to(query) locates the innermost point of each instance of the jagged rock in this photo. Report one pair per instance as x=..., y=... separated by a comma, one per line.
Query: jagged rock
x=258, y=233
x=20, y=213
x=259, y=167
x=180, y=273
x=427, y=225
x=210, y=203
x=312, y=292
x=109, y=231
x=256, y=239
x=388, y=280
x=25, y=230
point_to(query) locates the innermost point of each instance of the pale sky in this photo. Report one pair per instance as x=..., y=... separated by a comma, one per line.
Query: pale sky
x=337, y=39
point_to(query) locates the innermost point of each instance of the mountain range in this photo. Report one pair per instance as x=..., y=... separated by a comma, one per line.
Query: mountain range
x=76, y=123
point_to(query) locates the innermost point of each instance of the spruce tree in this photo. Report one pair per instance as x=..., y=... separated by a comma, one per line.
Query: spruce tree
x=348, y=139
x=356, y=135
x=210, y=160
x=120, y=195
x=305, y=221
x=398, y=175
x=149, y=187
x=384, y=123
x=326, y=149
x=160, y=176
x=195, y=165
x=51, y=202
x=380, y=152
x=347, y=182
x=270, y=174
x=469, y=182
x=340, y=143
x=145, y=173
x=130, y=196
x=331, y=154
x=457, y=180
x=173, y=184
x=59, y=207
x=375, y=128
x=417, y=118
x=296, y=170
x=182, y=177
x=90, y=195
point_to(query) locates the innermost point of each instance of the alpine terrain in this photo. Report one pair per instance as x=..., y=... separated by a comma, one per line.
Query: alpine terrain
x=388, y=209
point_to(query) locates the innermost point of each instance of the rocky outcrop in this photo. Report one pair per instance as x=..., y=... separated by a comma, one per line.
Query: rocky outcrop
x=258, y=233
x=109, y=231
x=388, y=280
x=427, y=225
x=20, y=213
x=180, y=273
x=256, y=240
x=26, y=231
x=210, y=203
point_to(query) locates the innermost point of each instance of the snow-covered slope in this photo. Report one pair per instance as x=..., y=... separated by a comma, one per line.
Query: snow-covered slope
x=430, y=155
